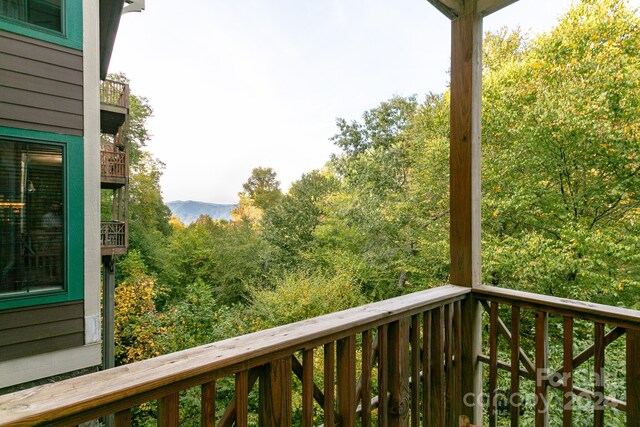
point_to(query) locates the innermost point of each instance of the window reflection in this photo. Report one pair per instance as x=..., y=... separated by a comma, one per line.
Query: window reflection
x=31, y=218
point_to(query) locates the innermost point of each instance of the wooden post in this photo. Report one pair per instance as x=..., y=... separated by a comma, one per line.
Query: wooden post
x=399, y=373
x=275, y=393
x=465, y=269
x=242, y=398
x=208, y=404
x=168, y=410
x=633, y=378
x=346, y=367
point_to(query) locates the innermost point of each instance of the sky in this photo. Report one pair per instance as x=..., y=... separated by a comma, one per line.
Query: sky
x=237, y=84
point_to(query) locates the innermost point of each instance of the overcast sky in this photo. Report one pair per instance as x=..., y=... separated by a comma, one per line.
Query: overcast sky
x=237, y=84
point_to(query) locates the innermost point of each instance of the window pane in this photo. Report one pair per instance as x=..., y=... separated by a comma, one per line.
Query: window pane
x=43, y=13
x=31, y=218
x=46, y=13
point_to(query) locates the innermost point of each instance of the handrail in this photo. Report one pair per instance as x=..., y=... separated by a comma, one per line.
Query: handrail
x=616, y=316
x=114, y=93
x=94, y=395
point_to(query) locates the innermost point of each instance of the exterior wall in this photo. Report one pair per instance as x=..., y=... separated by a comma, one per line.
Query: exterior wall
x=41, y=329
x=51, y=88
x=40, y=85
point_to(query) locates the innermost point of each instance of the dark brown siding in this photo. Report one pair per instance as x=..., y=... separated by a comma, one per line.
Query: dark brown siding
x=41, y=329
x=40, y=85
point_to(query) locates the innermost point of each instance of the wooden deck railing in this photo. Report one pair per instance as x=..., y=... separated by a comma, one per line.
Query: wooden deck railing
x=398, y=362
x=114, y=93
x=601, y=325
x=373, y=356
x=113, y=234
x=113, y=164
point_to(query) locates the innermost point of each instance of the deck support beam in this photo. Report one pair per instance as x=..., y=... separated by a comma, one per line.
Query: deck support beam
x=465, y=160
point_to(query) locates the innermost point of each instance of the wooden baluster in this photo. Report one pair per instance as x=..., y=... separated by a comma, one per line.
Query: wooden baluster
x=123, y=418
x=242, y=398
x=456, y=405
x=366, y=378
x=383, y=379
x=514, y=395
x=307, y=388
x=168, y=411
x=493, y=363
x=436, y=412
x=598, y=367
x=346, y=367
x=567, y=374
x=542, y=352
x=415, y=370
x=329, y=379
x=275, y=393
x=633, y=378
x=208, y=404
x=399, y=373
x=451, y=417
x=426, y=367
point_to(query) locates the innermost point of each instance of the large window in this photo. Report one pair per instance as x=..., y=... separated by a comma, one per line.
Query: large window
x=32, y=218
x=42, y=13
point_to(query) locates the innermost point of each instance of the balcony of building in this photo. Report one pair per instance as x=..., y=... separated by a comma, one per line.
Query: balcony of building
x=114, y=165
x=114, y=105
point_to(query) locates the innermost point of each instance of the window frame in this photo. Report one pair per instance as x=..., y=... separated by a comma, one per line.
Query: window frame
x=73, y=225
x=71, y=35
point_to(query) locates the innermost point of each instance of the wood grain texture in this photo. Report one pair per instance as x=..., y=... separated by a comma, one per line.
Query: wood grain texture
x=415, y=370
x=383, y=376
x=633, y=378
x=208, y=404
x=365, y=376
x=614, y=316
x=329, y=383
x=465, y=158
x=346, y=380
x=426, y=367
x=493, y=364
x=169, y=411
x=542, y=354
x=399, y=373
x=471, y=370
x=567, y=373
x=122, y=419
x=307, y=388
x=95, y=395
x=598, y=371
x=242, y=398
x=514, y=395
x=437, y=409
x=275, y=393
x=487, y=7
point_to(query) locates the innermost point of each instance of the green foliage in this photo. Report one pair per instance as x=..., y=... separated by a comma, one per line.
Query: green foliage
x=561, y=168
x=302, y=295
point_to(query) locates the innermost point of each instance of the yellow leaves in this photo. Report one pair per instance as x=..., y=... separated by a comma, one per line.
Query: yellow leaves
x=495, y=213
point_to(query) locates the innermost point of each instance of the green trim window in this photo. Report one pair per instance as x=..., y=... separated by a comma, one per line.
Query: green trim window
x=42, y=13
x=41, y=218
x=31, y=218
x=55, y=21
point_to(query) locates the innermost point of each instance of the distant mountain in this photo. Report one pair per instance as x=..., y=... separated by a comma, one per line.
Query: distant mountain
x=188, y=211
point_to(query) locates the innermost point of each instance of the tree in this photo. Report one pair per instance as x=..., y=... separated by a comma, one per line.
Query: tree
x=262, y=188
x=561, y=135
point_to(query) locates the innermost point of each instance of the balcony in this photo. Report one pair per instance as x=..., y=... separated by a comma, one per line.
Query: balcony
x=114, y=105
x=412, y=360
x=113, y=238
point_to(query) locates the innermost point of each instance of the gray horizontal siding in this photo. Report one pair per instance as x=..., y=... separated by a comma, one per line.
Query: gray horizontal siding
x=40, y=85
x=41, y=329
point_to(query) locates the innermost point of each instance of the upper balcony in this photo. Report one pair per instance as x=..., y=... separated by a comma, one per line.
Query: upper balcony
x=114, y=106
x=412, y=360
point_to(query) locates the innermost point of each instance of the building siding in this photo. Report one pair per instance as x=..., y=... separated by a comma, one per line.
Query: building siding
x=41, y=329
x=40, y=85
